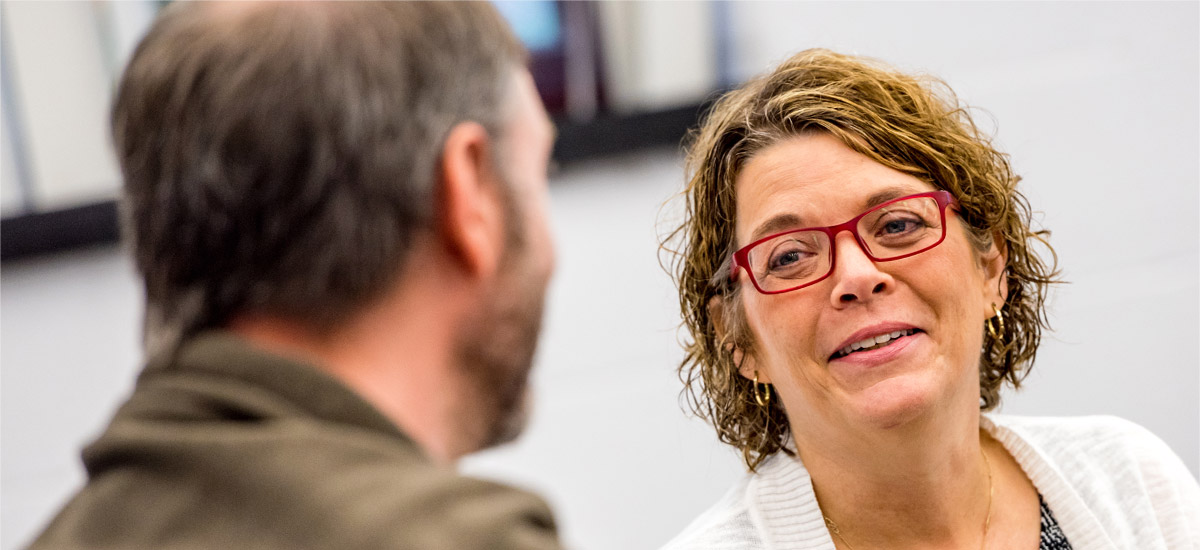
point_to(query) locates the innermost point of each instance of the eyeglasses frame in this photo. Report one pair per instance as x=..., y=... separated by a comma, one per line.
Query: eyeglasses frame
x=741, y=258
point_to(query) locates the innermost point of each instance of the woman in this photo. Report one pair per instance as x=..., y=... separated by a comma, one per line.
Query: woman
x=859, y=277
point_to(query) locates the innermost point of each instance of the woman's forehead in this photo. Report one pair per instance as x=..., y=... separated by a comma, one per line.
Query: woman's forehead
x=813, y=180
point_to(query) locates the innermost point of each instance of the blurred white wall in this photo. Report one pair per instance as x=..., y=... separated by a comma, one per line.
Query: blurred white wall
x=61, y=60
x=11, y=195
x=1096, y=102
x=660, y=54
x=69, y=352
x=65, y=91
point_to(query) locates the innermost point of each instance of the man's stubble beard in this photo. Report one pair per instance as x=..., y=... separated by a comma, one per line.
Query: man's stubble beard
x=496, y=348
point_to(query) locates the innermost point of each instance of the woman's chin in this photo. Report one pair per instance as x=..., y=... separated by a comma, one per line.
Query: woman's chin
x=895, y=401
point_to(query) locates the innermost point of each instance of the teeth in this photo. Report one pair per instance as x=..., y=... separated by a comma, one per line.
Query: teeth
x=873, y=341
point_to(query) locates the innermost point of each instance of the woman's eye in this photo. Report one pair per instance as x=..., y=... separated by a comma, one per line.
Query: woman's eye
x=788, y=255
x=785, y=259
x=894, y=227
x=900, y=226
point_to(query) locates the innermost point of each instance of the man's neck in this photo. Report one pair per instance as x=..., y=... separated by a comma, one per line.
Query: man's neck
x=397, y=354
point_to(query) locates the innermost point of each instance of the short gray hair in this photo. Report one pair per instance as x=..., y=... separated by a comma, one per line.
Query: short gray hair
x=281, y=158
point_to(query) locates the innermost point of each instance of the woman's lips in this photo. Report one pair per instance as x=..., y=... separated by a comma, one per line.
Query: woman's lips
x=873, y=342
x=878, y=333
x=889, y=349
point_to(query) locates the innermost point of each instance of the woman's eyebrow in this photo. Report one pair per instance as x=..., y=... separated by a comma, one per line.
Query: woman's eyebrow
x=887, y=195
x=775, y=224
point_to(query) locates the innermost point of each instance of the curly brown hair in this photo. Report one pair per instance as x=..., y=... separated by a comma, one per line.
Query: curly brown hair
x=914, y=124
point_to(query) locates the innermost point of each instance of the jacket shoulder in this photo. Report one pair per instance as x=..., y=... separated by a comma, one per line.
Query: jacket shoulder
x=286, y=483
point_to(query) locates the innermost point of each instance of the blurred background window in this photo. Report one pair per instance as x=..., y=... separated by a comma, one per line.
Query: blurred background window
x=616, y=76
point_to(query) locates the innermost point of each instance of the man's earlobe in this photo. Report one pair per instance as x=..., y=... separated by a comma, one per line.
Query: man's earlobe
x=470, y=221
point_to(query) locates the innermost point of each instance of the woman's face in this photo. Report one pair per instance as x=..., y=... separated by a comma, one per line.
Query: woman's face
x=943, y=296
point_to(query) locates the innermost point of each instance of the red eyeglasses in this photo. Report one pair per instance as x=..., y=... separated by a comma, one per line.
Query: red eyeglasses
x=896, y=229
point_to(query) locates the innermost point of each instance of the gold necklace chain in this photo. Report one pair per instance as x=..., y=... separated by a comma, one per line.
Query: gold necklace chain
x=987, y=522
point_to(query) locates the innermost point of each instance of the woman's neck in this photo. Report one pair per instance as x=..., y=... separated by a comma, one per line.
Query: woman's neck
x=924, y=484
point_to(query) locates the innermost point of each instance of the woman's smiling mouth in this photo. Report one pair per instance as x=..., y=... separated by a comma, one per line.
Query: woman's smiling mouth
x=874, y=342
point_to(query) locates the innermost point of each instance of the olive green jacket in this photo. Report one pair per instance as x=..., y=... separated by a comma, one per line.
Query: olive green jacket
x=227, y=447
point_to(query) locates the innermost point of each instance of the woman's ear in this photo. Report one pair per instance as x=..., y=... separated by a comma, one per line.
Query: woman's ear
x=995, y=271
x=747, y=367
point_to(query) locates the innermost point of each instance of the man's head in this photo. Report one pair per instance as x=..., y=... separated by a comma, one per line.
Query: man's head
x=282, y=157
x=495, y=347
x=286, y=160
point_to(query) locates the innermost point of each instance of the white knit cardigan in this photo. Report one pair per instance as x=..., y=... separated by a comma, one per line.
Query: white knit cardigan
x=1110, y=483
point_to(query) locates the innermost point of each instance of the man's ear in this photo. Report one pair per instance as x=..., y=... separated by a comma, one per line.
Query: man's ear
x=747, y=367
x=471, y=224
x=995, y=272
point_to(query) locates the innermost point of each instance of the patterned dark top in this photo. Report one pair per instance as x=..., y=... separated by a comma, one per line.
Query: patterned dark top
x=1052, y=537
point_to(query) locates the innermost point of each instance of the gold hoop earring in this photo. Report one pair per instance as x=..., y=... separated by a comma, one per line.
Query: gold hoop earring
x=763, y=398
x=995, y=325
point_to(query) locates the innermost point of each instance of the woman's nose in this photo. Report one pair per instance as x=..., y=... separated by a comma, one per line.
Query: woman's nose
x=856, y=277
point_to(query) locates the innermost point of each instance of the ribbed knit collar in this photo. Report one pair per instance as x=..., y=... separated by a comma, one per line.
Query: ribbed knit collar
x=1076, y=520
x=784, y=508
